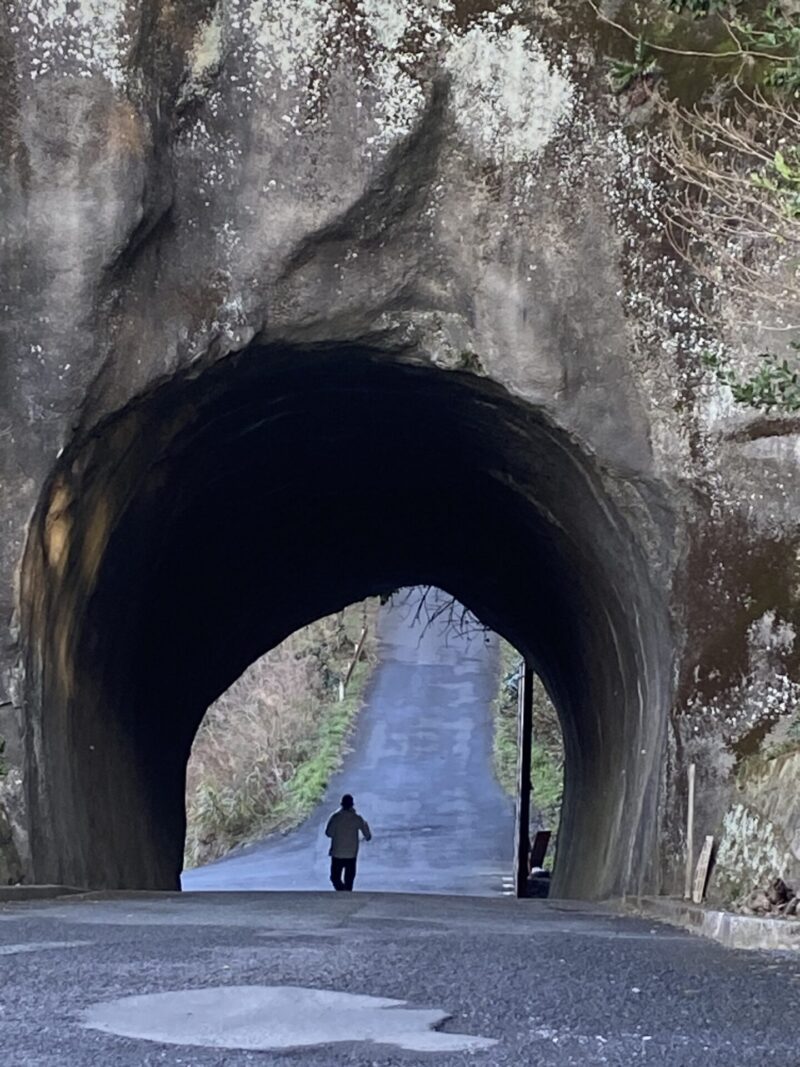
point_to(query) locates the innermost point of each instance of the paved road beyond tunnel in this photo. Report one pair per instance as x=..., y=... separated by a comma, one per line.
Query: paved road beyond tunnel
x=421, y=773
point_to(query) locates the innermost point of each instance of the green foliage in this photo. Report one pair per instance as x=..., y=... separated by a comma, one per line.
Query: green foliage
x=775, y=33
x=506, y=743
x=765, y=37
x=780, y=181
x=699, y=8
x=305, y=789
x=775, y=387
x=547, y=774
x=625, y=72
x=547, y=752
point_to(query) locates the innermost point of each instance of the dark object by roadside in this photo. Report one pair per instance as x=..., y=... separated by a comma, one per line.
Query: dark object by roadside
x=777, y=900
x=539, y=849
x=538, y=883
x=778, y=892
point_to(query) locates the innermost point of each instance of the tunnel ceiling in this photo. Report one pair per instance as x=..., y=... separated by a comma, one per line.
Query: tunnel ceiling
x=224, y=511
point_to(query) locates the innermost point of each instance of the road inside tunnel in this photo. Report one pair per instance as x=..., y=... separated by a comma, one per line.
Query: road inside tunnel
x=188, y=534
x=420, y=768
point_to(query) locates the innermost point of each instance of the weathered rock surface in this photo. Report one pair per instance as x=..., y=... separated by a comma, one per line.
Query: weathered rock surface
x=307, y=300
x=760, y=833
x=12, y=870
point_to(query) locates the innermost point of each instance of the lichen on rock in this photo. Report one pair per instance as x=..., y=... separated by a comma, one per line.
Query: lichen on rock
x=750, y=854
x=12, y=828
x=508, y=99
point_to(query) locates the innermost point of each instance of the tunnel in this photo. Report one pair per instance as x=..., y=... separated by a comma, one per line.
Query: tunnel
x=183, y=537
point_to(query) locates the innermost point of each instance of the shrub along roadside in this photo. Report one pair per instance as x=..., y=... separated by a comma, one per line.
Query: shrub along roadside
x=310, y=781
x=265, y=750
x=547, y=750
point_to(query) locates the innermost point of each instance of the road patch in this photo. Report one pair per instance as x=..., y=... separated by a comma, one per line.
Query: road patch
x=266, y=1018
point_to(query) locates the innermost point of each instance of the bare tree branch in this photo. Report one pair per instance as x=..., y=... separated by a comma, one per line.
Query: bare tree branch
x=733, y=216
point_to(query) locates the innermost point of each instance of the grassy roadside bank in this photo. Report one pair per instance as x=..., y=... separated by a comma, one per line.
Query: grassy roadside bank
x=547, y=751
x=266, y=749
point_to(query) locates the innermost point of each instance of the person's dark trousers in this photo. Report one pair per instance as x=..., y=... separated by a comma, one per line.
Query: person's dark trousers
x=346, y=868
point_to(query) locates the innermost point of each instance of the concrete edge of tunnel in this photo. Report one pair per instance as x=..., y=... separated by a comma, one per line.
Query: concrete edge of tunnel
x=11, y=893
x=728, y=928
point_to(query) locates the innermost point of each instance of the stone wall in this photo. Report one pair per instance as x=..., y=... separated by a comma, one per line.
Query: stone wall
x=195, y=194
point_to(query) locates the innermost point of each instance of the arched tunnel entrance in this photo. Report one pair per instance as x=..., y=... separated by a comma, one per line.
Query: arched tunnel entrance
x=229, y=507
x=405, y=701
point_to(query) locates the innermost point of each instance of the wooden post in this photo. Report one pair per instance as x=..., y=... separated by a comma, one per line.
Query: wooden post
x=359, y=648
x=687, y=888
x=522, y=853
x=356, y=657
x=701, y=873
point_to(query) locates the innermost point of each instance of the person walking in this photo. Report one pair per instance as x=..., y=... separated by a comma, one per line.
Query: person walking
x=343, y=828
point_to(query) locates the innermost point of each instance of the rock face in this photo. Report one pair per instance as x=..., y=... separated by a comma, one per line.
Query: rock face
x=10, y=867
x=305, y=301
x=12, y=829
x=761, y=830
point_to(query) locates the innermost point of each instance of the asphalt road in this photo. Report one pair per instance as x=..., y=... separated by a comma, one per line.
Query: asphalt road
x=420, y=770
x=548, y=983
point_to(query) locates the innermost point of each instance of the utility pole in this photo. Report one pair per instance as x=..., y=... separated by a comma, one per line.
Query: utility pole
x=525, y=719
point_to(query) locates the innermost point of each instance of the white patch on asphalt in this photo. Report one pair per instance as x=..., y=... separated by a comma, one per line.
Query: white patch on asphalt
x=39, y=946
x=276, y=1017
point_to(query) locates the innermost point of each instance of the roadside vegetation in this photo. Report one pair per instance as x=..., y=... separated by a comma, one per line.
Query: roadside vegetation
x=547, y=752
x=726, y=73
x=266, y=749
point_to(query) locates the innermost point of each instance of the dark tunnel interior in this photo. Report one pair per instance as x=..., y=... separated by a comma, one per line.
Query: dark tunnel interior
x=227, y=508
